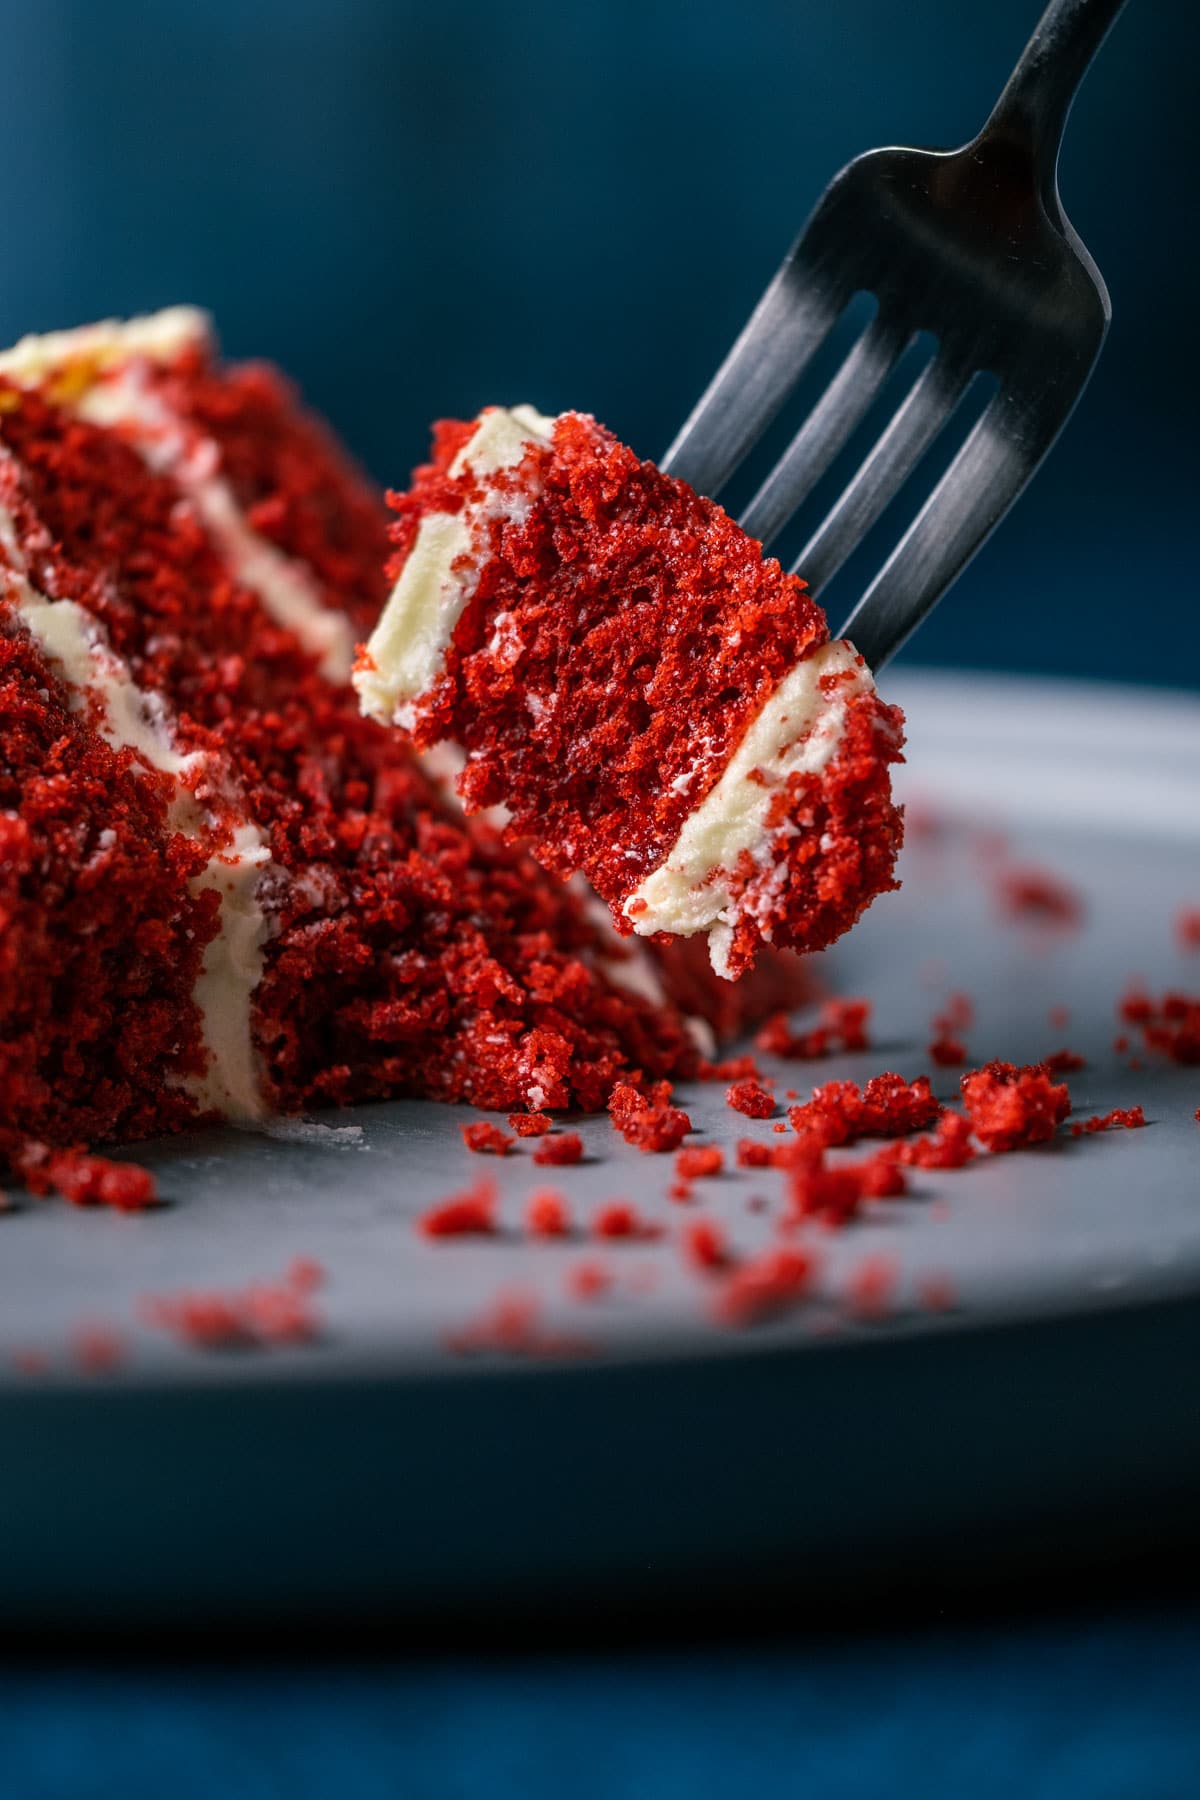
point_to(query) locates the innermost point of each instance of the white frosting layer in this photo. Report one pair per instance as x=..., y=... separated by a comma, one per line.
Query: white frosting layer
x=407, y=649
x=797, y=732
x=130, y=718
x=229, y=977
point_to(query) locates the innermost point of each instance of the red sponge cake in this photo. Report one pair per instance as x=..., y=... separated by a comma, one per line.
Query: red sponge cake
x=653, y=702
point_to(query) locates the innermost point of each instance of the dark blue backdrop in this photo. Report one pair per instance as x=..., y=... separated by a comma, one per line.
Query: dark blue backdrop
x=418, y=209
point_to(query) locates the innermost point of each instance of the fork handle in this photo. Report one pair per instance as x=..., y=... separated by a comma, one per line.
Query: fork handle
x=1032, y=110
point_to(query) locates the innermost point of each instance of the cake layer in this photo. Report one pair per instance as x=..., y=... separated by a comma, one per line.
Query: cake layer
x=652, y=702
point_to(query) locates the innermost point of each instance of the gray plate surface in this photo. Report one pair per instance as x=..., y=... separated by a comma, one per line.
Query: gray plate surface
x=376, y=1470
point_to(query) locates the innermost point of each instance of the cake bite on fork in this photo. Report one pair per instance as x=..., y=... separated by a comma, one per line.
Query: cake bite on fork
x=654, y=703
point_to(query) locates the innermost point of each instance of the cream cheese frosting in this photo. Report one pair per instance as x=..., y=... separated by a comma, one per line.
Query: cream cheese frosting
x=405, y=652
x=798, y=731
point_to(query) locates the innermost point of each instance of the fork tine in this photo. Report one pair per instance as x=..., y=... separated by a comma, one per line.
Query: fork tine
x=908, y=435
x=837, y=414
x=790, y=322
x=998, y=457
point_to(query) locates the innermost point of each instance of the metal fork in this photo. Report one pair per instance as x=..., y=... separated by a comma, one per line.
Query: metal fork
x=971, y=245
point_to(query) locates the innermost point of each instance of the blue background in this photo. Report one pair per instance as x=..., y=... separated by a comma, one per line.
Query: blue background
x=419, y=209
x=1052, y=1712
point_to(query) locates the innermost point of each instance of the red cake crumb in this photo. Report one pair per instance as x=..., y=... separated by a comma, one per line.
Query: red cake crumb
x=511, y=1326
x=264, y=1314
x=472, y=1213
x=871, y=1286
x=839, y=1112
x=1187, y=927
x=892, y=1106
x=750, y=1098
x=831, y=1116
x=841, y=1025
x=957, y=1014
x=547, y=1214
x=936, y=1292
x=31, y=1362
x=1063, y=1062
x=559, y=1151
x=618, y=1219
x=1170, y=1026
x=527, y=1125
x=1120, y=1043
x=766, y=1285
x=487, y=1139
x=799, y=1152
x=588, y=1280
x=1127, y=1118
x=832, y=1196
x=1010, y=1107
x=847, y=1021
x=1039, y=896
x=698, y=1160
x=731, y=1068
x=949, y=1147
x=704, y=1245
x=1058, y=1018
x=305, y=1274
x=880, y=1177
x=97, y=1349
x=87, y=1180
x=947, y=1046
x=647, y=1120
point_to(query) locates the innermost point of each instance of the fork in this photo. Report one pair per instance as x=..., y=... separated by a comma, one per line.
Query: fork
x=971, y=245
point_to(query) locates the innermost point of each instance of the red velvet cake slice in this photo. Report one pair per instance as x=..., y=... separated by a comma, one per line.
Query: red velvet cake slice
x=223, y=892
x=653, y=702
